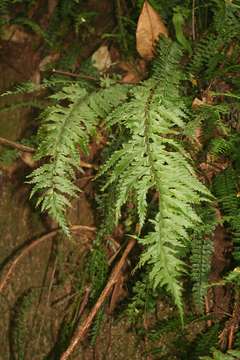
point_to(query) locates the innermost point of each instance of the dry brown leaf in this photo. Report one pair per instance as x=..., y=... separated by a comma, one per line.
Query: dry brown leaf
x=133, y=72
x=150, y=26
x=197, y=102
x=211, y=168
x=101, y=59
x=27, y=158
x=132, y=75
x=51, y=6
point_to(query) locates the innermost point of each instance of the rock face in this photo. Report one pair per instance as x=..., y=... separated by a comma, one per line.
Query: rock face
x=18, y=224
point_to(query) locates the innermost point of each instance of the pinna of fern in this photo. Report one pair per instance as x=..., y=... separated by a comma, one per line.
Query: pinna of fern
x=153, y=158
x=65, y=128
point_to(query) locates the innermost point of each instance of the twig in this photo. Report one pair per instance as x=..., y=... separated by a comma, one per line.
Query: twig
x=29, y=149
x=74, y=75
x=34, y=243
x=83, y=328
x=15, y=145
x=121, y=25
x=193, y=21
x=234, y=322
x=84, y=300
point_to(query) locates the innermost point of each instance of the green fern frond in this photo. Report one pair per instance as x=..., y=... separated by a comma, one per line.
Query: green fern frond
x=202, y=249
x=8, y=156
x=64, y=128
x=225, y=187
x=218, y=355
x=227, y=147
x=96, y=326
x=4, y=6
x=202, y=344
x=97, y=269
x=211, y=50
x=20, y=330
x=153, y=158
x=143, y=300
x=34, y=27
x=220, y=146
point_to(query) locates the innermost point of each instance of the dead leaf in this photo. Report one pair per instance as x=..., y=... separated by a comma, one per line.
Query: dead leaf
x=131, y=75
x=27, y=158
x=198, y=137
x=212, y=167
x=51, y=6
x=101, y=59
x=197, y=102
x=133, y=72
x=150, y=26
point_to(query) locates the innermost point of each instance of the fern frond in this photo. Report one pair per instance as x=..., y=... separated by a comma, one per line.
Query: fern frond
x=4, y=6
x=202, y=249
x=63, y=129
x=143, y=300
x=211, y=50
x=153, y=158
x=20, y=331
x=205, y=340
x=218, y=355
x=227, y=147
x=225, y=186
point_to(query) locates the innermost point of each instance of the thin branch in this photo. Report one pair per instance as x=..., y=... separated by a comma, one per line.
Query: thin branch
x=84, y=301
x=23, y=148
x=121, y=25
x=15, y=145
x=83, y=328
x=29, y=247
x=193, y=21
x=74, y=75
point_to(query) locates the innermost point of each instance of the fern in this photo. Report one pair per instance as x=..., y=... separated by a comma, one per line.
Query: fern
x=8, y=156
x=4, y=6
x=211, y=50
x=204, y=342
x=98, y=270
x=218, y=355
x=20, y=329
x=225, y=186
x=143, y=300
x=35, y=27
x=154, y=159
x=96, y=327
x=63, y=129
x=202, y=248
